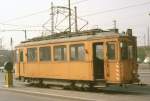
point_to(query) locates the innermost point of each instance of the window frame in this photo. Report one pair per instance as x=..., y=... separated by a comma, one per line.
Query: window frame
x=21, y=53
x=50, y=55
x=124, y=49
x=64, y=54
x=77, y=46
x=131, y=53
x=36, y=54
x=101, y=49
x=115, y=51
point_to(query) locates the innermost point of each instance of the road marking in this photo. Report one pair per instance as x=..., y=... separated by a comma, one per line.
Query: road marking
x=48, y=94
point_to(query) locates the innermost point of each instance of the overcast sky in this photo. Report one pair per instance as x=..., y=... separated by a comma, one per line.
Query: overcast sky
x=128, y=14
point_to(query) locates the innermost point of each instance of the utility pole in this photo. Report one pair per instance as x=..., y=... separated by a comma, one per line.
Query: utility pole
x=12, y=53
x=148, y=41
x=11, y=43
x=0, y=43
x=76, y=22
x=52, y=18
x=115, y=24
x=144, y=40
x=25, y=34
x=69, y=16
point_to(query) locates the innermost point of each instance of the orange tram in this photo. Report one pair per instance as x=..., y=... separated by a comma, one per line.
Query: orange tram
x=89, y=57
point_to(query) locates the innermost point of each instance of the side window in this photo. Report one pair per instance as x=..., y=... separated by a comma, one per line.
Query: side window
x=124, y=50
x=45, y=53
x=21, y=55
x=32, y=54
x=77, y=52
x=60, y=53
x=111, y=51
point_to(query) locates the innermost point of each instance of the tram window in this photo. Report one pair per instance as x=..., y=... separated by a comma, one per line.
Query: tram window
x=77, y=52
x=111, y=51
x=44, y=53
x=99, y=52
x=21, y=56
x=124, y=50
x=60, y=53
x=17, y=56
x=130, y=50
x=32, y=54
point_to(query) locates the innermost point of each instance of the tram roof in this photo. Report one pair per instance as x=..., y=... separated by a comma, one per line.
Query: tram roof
x=66, y=37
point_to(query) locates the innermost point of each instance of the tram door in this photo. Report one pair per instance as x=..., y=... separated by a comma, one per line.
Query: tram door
x=112, y=70
x=17, y=69
x=98, y=60
x=21, y=62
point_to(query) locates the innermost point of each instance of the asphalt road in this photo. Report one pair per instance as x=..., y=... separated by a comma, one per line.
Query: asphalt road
x=15, y=96
x=113, y=93
x=136, y=93
x=144, y=72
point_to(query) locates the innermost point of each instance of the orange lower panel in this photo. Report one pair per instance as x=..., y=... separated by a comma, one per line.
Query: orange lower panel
x=69, y=71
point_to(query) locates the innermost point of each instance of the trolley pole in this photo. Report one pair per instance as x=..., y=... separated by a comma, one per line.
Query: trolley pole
x=69, y=16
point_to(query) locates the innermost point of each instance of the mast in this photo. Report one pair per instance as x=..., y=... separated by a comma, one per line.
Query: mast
x=52, y=18
x=25, y=34
x=148, y=41
x=115, y=24
x=76, y=22
x=69, y=16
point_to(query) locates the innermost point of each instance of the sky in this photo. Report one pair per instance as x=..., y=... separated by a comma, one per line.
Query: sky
x=30, y=15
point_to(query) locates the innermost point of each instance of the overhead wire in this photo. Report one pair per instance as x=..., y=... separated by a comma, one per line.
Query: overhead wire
x=3, y=30
x=116, y=9
x=31, y=14
x=20, y=25
x=36, y=13
x=25, y=16
x=91, y=14
x=78, y=2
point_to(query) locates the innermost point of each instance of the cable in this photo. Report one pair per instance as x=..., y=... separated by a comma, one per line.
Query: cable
x=116, y=9
x=78, y=2
x=106, y=11
x=3, y=30
x=35, y=13
x=22, y=25
x=25, y=16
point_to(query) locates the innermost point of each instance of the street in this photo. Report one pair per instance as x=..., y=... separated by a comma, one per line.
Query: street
x=144, y=72
x=15, y=96
x=113, y=93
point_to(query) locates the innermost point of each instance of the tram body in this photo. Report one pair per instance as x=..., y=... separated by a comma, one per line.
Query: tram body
x=89, y=57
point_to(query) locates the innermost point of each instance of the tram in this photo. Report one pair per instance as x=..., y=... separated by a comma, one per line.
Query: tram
x=87, y=57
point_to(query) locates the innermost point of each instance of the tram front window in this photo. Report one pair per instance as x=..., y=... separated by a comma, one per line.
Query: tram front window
x=111, y=51
x=131, y=52
x=124, y=50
